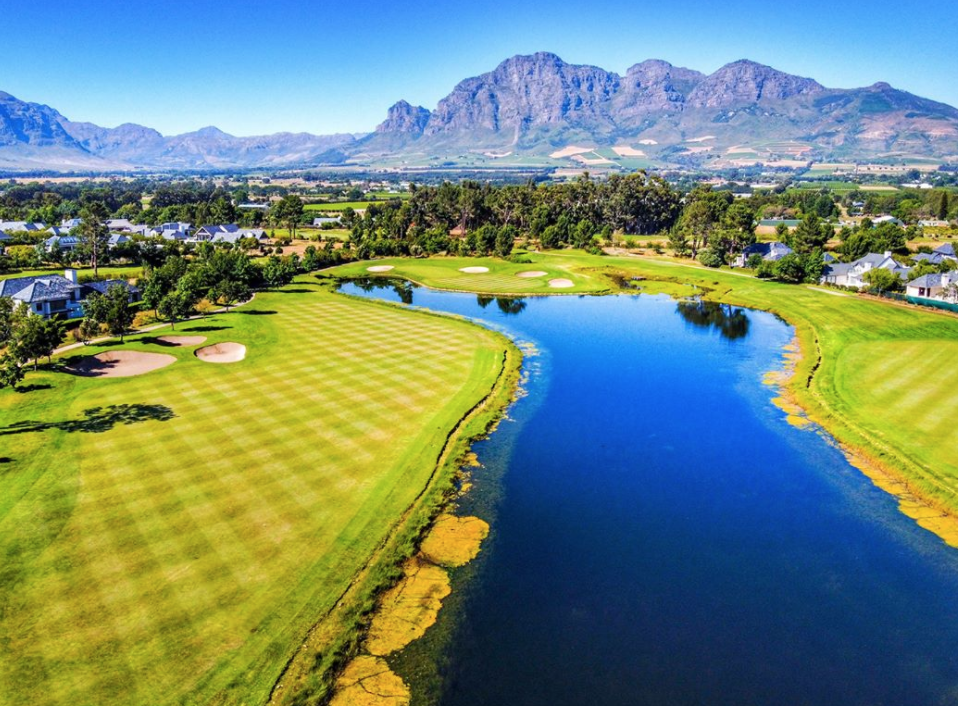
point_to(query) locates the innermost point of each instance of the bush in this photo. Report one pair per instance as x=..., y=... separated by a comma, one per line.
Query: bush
x=710, y=258
x=754, y=261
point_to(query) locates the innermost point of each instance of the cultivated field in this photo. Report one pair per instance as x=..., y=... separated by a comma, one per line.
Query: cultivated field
x=171, y=538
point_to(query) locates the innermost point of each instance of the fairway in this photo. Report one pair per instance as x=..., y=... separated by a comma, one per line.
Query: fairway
x=171, y=537
x=879, y=377
x=503, y=276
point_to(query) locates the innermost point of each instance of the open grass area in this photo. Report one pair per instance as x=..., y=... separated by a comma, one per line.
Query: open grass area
x=880, y=377
x=340, y=205
x=502, y=277
x=171, y=538
x=107, y=272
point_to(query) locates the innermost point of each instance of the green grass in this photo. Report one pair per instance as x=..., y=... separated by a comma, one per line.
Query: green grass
x=183, y=560
x=339, y=206
x=880, y=377
x=443, y=273
x=108, y=272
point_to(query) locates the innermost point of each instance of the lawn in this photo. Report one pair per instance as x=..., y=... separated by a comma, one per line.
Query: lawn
x=880, y=377
x=171, y=538
x=339, y=206
x=107, y=272
x=502, y=277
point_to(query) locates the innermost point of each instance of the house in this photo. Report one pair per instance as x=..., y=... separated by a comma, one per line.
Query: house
x=935, y=258
x=933, y=223
x=254, y=206
x=21, y=226
x=65, y=243
x=241, y=234
x=934, y=286
x=324, y=220
x=208, y=232
x=122, y=225
x=169, y=234
x=770, y=252
x=57, y=295
x=117, y=239
x=175, y=225
x=878, y=220
x=947, y=250
x=58, y=231
x=851, y=274
x=71, y=223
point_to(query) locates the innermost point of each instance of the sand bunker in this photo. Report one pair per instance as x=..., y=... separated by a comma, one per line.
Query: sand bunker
x=561, y=283
x=380, y=268
x=222, y=353
x=648, y=142
x=368, y=681
x=532, y=273
x=182, y=341
x=473, y=270
x=120, y=364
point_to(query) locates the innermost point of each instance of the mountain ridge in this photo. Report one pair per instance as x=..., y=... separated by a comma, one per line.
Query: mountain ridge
x=536, y=105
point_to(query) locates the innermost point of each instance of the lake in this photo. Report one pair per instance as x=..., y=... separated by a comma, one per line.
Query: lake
x=661, y=535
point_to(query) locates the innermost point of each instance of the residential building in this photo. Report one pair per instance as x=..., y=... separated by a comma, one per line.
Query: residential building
x=57, y=295
x=241, y=234
x=71, y=223
x=66, y=243
x=933, y=223
x=21, y=226
x=851, y=274
x=324, y=220
x=770, y=252
x=934, y=286
x=121, y=225
x=208, y=232
x=117, y=239
x=948, y=250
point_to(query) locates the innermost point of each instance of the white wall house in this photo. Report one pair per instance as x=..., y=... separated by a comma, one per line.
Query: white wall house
x=851, y=274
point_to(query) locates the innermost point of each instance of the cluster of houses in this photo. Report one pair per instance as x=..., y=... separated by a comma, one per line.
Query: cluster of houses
x=121, y=230
x=936, y=287
x=58, y=295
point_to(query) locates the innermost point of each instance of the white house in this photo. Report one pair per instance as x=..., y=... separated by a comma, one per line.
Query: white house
x=934, y=286
x=851, y=274
x=121, y=225
x=57, y=295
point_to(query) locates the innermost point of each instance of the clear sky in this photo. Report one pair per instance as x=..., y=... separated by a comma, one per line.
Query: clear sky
x=289, y=65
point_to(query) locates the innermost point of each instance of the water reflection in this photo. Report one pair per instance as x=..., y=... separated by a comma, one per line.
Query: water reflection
x=731, y=322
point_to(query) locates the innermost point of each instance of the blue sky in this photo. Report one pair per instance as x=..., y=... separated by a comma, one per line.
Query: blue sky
x=276, y=65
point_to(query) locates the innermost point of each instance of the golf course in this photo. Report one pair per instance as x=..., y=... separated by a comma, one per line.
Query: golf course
x=875, y=375
x=179, y=514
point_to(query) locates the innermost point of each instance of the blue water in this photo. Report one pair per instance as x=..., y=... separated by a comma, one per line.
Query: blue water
x=660, y=535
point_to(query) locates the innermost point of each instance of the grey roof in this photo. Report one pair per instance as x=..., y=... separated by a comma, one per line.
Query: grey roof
x=828, y=257
x=117, y=238
x=70, y=240
x=935, y=258
x=13, y=226
x=38, y=288
x=768, y=251
x=103, y=286
x=4, y=236
x=220, y=228
x=173, y=235
x=837, y=269
x=946, y=249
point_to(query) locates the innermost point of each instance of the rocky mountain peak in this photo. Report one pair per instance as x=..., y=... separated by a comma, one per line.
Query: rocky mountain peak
x=747, y=82
x=403, y=118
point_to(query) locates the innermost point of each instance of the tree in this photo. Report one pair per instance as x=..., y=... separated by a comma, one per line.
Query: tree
x=10, y=316
x=176, y=306
x=88, y=329
x=881, y=280
x=811, y=233
x=505, y=239
x=114, y=310
x=943, y=207
x=11, y=370
x=227, y=292
x=36, y=338
x=289, y=211
x=94, y=235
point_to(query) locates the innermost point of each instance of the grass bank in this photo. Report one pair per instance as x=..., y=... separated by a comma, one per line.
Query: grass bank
x=173, y=537
x=878, y=377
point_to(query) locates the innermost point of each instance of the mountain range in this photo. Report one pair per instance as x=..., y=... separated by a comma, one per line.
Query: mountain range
x=538, y=109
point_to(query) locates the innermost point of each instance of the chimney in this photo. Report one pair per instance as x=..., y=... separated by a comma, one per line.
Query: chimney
x=71, y=275
x=888, y=253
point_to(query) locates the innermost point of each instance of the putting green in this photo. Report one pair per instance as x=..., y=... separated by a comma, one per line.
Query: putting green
x=171, y=538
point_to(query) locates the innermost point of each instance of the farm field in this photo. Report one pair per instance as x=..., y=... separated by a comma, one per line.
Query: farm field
x=171, y=538
x=881, y=380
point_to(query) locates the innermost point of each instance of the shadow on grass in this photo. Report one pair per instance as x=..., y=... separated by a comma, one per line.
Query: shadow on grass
x=4, y=459
x=260, y=312
x=297, y=290
x=96, y=420
x=205, y=329
x=33, y=388
x=156, y=341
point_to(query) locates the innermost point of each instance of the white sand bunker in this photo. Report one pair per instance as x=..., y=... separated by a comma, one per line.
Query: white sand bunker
x=120, y=364
x=222, y=353
x=473, y=270
x=561, y=283
x=182, y=341
x=380, y=268
x=532, y=273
